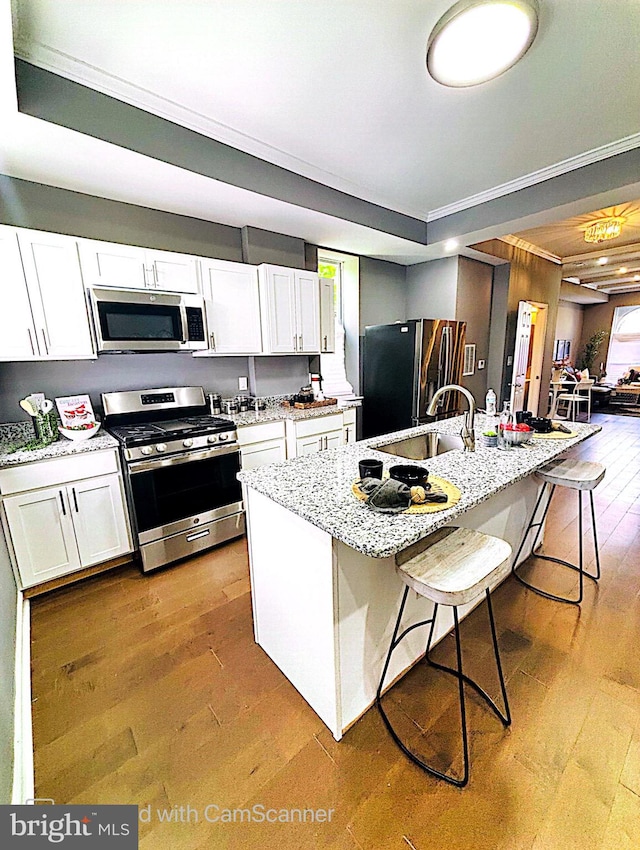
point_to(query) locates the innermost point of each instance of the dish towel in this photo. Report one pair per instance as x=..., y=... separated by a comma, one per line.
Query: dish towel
x=386, y=497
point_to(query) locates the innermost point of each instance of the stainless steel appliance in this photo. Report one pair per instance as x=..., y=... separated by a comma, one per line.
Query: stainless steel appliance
x=139, y=320
x=181, y=466
x=404, y=365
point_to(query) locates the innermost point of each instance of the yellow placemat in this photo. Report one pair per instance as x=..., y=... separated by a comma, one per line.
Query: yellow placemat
x=555, y=435
x=438, y=485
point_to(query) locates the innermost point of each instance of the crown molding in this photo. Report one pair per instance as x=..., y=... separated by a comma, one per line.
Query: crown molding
x=58, y=62
x=527, y=180
x=532, y=249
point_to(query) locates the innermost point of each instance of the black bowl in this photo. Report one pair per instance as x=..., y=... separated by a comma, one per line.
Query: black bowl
x=410, y=474
x=540, y=424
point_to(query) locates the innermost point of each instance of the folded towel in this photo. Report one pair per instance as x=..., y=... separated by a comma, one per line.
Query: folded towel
x=386, y=497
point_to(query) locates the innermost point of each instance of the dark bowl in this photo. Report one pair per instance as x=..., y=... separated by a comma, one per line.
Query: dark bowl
x=541, y=425
x=410, y=474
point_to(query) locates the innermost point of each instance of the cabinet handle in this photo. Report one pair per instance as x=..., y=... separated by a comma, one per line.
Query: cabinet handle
x=325, y=343
x=213, y=342
x=154, y=269
x=326, y=442
x=33, y=351
x=320, y=443
x=149, y=284
x=295, y=342
x=301, y=345
x=75, y=499
x=44, y=337
x=64, y=510
x=347, y=433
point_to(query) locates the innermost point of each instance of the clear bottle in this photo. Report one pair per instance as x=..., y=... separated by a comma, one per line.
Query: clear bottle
x=505, y=425
x=490, y=403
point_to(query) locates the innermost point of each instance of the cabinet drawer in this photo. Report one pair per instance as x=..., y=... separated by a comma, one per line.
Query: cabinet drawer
x=59, y=470
x=318, y=425
x=248, y=434
x=349, y=416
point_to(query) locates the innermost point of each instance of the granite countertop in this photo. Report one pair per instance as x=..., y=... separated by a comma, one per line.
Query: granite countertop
x=276, y=413
x=318, y=487
x=16, y=433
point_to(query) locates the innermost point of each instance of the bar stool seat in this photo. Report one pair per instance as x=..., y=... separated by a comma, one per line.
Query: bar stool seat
x=579, y=475
x=451, y=567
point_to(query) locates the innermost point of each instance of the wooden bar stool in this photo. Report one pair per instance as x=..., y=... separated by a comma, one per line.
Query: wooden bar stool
x=577, y=475
x=451, y=567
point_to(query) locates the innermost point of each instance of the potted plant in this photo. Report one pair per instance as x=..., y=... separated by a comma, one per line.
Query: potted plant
x=590, y=350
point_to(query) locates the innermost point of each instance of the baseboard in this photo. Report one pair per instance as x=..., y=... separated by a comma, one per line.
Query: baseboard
x=23, y=776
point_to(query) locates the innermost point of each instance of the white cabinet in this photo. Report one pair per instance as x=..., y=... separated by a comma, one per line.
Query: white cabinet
x=261, y=444
x=77, y=521
x=308, y=436
x=232, y=301
x=45, y=315
x=290, y=310
x=349, y=426
x=131, y=267
x=327, y=316
x=17, y=329
x=56, y=293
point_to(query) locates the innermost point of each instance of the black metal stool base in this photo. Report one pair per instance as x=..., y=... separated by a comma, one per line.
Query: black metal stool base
x=463, y=679
x=579, y=567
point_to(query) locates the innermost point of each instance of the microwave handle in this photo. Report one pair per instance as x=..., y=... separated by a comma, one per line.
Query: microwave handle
x=185, y=327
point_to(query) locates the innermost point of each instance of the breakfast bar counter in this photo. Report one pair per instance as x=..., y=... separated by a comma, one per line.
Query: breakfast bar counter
x=325, y=593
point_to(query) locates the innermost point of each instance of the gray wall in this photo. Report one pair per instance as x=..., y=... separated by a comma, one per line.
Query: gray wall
x=498, y=330
x=8, y=607
x=431, y=289
x=473, y=306
x=383, y=288
x=263, y=246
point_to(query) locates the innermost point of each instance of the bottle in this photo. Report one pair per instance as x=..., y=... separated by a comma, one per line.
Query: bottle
x=505, y=426
x=490, y=403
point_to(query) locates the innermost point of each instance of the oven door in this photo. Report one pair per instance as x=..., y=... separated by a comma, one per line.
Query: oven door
x=177, y=493
x=138, y=320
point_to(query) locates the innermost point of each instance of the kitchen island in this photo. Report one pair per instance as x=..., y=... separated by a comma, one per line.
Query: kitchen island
x=325, y=593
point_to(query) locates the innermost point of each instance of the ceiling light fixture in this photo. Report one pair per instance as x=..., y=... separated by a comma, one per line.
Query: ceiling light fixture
x=636, y=277
x=603, y=261
x=451, y=245
x=604, y=228
x=477, y=40
x=623, y=270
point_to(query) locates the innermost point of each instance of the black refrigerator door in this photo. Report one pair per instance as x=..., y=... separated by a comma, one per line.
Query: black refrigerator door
x=389, y=378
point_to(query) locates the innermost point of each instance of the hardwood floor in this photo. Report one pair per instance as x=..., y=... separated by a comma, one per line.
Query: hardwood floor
x=150, y=690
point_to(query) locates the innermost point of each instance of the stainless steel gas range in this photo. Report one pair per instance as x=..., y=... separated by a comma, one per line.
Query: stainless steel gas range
x=181, y=466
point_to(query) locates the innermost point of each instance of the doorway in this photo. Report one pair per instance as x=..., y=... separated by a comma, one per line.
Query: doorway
x=526, y=382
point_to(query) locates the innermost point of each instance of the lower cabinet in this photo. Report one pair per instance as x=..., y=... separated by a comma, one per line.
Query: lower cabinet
x=349, y=426
x=56, y=530
x=262, y=444
x=308, y=436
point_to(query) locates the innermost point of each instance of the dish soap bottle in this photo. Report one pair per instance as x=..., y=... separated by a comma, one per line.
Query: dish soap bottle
x=505, y=427
x=490, y=403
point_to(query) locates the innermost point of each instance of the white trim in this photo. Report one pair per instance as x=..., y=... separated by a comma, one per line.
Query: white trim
x=23, y=777
x=550, y=171
x=532, y=249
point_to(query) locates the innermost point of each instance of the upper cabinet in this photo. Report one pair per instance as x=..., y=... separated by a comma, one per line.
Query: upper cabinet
x=290, y=310
x=327, y=316
x=46, y=316
x=130, y=267
x=232, y=300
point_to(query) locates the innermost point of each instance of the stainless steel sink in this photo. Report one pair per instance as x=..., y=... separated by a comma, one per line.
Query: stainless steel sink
x=423, y=446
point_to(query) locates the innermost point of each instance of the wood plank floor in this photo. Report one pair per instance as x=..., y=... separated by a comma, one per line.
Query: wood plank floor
x=150, y=690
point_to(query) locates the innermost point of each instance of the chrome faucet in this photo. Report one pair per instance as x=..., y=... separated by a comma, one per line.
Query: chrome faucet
x=467, y=433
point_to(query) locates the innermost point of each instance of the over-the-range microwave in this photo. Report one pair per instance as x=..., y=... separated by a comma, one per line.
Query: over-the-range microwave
x=139, y=320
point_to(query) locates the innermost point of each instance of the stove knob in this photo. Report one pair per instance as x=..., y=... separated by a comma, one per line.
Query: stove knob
x=146, y=450
x=223, y=437
x=212, y=439
x=160, y=447
x=187, y=443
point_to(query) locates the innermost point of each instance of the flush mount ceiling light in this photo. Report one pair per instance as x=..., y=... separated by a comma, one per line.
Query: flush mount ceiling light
x=603, y=229
x=477, y=40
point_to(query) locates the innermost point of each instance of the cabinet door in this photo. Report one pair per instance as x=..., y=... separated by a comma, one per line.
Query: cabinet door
x=281, y=309
x=17, y=330
x=348, y=434
x=233, y=307
x=42, y=534
x=99, y=518
x=56, y=290
x=260, y=454
x=327, y=316
x=309, y=445
x=172, y=272
x=333, y=439
x=108, y=264
x=308, y=312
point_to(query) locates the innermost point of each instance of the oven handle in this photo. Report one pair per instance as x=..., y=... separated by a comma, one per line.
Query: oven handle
x=183, y=457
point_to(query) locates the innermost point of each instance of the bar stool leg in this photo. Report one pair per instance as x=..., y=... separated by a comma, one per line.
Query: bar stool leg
x=595, y=537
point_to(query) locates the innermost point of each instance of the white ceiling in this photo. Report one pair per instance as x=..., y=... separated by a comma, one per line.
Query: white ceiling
x=333, y=89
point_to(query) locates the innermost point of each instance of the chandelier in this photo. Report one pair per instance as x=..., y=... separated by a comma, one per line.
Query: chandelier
x=603, y=228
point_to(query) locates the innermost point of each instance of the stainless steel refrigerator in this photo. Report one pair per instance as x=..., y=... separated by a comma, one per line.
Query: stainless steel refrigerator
x=403, y=365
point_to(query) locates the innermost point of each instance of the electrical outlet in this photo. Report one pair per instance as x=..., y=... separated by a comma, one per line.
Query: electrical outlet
x=243, y=383
x=509, y=360
x=481, y=364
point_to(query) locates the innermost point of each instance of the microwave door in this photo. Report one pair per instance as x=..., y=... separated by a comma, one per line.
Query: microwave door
x=135, y=322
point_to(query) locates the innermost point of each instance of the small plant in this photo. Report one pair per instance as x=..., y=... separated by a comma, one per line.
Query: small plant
x=490, y=433
x=590, y=350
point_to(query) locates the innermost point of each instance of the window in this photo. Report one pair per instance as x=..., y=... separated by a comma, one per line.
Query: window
x=624, y=348
x=333, y=366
